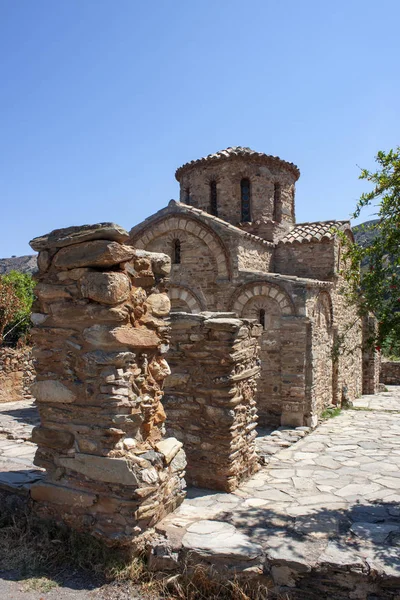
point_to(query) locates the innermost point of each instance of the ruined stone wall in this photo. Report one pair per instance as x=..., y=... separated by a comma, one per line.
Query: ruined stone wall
x=209, y=397
x=317, y=261
x=195, y=190
x=321, y=392
x=348, y=343
x=390, y=372
x=100, y=340
x=371, y=358
x=17, y=374
x=296, y=370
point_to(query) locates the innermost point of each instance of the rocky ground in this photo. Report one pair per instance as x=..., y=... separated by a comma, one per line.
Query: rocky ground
x=330, y=503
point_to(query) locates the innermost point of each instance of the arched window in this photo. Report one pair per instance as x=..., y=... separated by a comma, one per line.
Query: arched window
x=176, y=258
x=213, y=198
x=187, y=195
x=277, y=202
x=261, y=317
x=245, y=201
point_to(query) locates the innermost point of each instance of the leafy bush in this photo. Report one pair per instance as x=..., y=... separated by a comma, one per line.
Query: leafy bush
x=16, y=299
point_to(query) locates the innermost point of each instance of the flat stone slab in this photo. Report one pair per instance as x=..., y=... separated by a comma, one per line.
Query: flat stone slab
x=374, y=532
x=216, y=538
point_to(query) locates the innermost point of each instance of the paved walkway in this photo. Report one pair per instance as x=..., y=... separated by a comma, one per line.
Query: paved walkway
x=17, y=420
x=330, y=500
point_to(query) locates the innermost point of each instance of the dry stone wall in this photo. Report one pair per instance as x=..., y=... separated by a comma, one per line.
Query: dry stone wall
x=390, y=372
x=100, y=338
x=17, y=374
x=209, y=396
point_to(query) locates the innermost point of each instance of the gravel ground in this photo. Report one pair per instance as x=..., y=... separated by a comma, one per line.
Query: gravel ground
x=73, y=586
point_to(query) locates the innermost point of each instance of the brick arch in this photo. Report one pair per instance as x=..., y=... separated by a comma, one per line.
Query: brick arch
x=184, y=224
x=187, y=296
x=262, y=289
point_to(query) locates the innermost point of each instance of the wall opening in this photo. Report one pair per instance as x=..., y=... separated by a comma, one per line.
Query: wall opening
x=213, y=198
x=245, y=201
x=176, y=255
x=277, y=202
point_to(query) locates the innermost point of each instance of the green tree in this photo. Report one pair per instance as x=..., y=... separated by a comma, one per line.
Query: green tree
x=16, y=298
x=376, y=287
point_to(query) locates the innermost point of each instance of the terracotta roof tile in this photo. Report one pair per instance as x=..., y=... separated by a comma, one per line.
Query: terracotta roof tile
x=313, y=232
x=232, y=152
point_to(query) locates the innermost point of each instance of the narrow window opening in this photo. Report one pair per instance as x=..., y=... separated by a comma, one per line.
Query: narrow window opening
x=177, y=252
x=262, y=317
x=213, y=198
x=245, y=201
x=277, y=202
x=187, y=195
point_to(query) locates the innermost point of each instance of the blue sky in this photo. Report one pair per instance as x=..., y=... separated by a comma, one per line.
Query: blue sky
x=101, y=100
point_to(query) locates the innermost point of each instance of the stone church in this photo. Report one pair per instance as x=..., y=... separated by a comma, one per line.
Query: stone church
x=235, y=247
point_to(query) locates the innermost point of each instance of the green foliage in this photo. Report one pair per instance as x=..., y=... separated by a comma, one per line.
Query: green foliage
x=16, y=325
x=376, y=288
x=330, y=413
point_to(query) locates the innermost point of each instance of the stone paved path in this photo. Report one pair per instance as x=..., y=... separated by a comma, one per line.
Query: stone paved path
x=331, y=499
x=17, y=420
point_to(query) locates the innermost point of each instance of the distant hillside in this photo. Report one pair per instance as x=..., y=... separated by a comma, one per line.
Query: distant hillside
x=365, y=232
x=23, y=264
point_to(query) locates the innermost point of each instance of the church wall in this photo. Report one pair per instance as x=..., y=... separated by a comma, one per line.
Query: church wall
x=197, y=268
x=322, y=373
x=251, y=258
x=314, y=260
x=348, y=346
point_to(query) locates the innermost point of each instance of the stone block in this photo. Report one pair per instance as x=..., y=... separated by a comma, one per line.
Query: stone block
x=54, y=494
x=52, y=391
x=102, y=468
x=76, y=234
x=169, y=448
x=103, y=337
x=97, y=253
x=53, y=438
x=107, y=288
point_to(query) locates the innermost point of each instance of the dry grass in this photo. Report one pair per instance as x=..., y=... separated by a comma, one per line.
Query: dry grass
x=43, y=553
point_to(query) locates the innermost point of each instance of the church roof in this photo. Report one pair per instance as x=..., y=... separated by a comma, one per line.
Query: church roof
x=313, y=232
x=233, y=152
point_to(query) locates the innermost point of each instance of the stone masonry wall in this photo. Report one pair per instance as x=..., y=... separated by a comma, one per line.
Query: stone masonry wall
x=209, y=396
x=262, y=173
x=390, y=372
x=304, y=259
x=17, y=374
x=100, y=339
x=371, y=358
x=296, y=366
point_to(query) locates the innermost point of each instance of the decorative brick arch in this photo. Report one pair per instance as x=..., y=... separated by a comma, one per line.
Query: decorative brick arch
x=262, y=289
x=187, y=296
x=183, y=224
